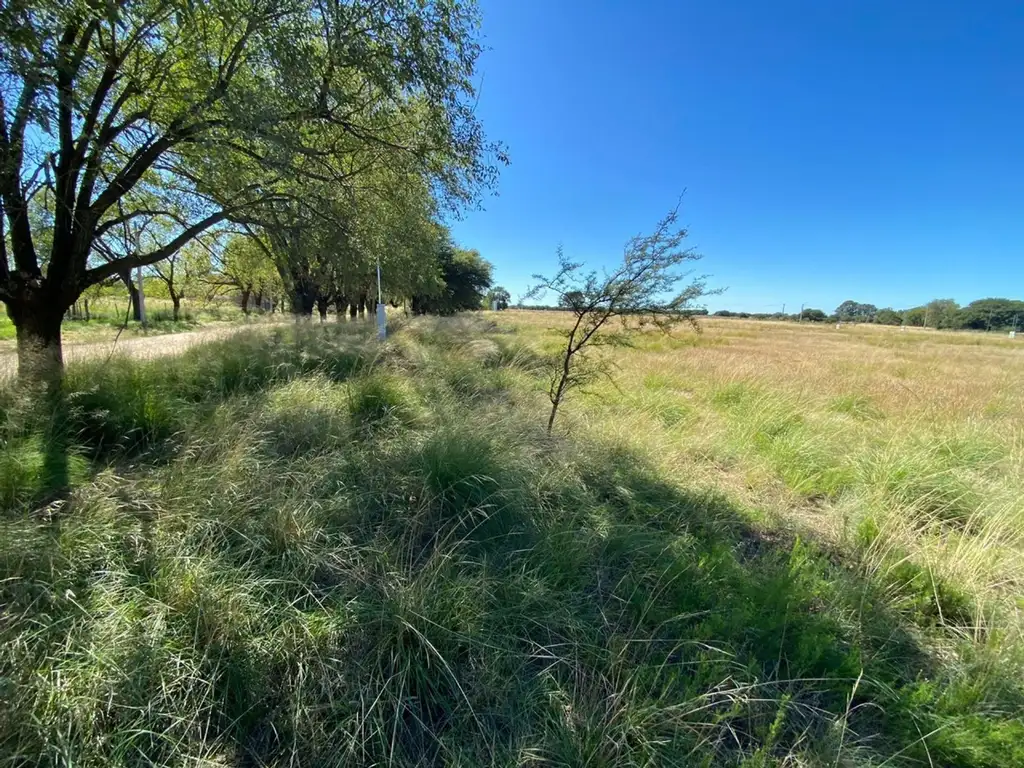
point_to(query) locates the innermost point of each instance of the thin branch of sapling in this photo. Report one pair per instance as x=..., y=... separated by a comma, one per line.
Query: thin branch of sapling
x=640, y=289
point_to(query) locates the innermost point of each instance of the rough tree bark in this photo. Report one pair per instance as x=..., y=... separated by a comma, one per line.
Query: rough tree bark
x=37, y=323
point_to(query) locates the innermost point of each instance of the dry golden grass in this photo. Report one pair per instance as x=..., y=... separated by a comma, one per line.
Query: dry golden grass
x=905, y=373
x=905, y=446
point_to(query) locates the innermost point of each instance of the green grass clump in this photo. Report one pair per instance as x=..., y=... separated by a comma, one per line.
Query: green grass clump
x=381, y=400
x=858, y=406
x=125, y=406
x=804, y=456
x=344, y=554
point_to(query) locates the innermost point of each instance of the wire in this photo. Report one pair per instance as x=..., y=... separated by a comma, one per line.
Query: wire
x=120, y=330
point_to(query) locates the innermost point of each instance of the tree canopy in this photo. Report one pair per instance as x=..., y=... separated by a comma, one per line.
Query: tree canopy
x=888, y=316
x=464, y=280
x=498, y=298
x=989, y=314
x=177, y=117
x=855, y=311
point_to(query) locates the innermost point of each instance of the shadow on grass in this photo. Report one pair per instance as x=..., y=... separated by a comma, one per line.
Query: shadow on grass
x=595, y=614
x=134, y=410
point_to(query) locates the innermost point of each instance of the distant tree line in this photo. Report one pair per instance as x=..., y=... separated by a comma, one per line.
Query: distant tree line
x=980, y=315
x=569, y=304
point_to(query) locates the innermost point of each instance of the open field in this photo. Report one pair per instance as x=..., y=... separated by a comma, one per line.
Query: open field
x=764, y=545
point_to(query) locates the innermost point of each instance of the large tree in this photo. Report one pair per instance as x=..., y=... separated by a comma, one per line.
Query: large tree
x=854, y=311
x=942, y=313
x=104, y=104
x=465, y=278
x=327, y=240
x=992, y=314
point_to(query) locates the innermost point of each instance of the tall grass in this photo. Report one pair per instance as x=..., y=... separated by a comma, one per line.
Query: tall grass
x=302, y=548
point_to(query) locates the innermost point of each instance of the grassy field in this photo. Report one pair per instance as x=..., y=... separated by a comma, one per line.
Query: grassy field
x=765, y=545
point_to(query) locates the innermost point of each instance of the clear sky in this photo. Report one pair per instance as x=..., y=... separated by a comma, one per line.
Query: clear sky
x=830, y=149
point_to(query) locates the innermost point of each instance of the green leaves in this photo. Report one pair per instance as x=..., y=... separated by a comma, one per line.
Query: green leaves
x=173, y=116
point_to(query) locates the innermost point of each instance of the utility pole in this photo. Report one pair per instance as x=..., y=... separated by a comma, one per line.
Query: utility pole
x=142, y=297
x=382, y=318
x=800, y=319
x=783, y=309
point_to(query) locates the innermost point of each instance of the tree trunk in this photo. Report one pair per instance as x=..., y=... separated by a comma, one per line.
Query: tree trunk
x=37, y=320
x=339, y=308
x=321, y=307
x=175, y=306
x=133, y=293
x=88, y=317
x=37, y=324
x=136, y=303
x=303, y=301
x=245, y=301
x=551, y=417
x=257, y=300
x=353, y=310
x=362, y=305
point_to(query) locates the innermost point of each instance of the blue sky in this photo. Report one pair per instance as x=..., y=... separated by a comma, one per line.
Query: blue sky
x=830, y=150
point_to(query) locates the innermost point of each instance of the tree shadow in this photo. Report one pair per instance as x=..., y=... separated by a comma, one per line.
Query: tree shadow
x=616, y=586
x=139, y=410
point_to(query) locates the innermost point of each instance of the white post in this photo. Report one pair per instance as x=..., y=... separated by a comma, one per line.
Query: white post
x=142, y=297
x=382, y=316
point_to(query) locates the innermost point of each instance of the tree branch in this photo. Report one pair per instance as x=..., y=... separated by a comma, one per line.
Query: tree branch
x=102, y=272
x=106, y=226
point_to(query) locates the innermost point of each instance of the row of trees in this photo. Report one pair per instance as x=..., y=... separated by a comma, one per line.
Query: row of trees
x=983, y=314
x=239, y=270
x=300, y=141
